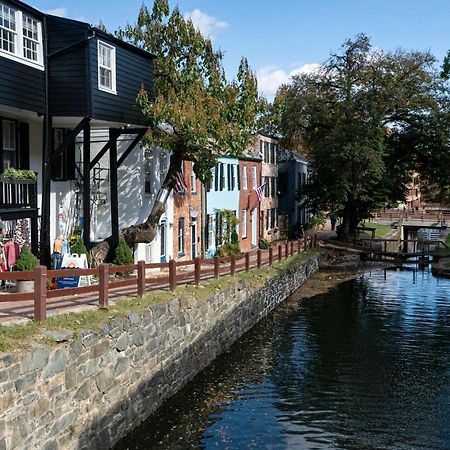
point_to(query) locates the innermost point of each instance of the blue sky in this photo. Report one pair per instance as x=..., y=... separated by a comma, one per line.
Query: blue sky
x=281, y=37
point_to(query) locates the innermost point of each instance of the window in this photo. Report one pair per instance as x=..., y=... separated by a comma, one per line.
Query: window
x=162, y=235
x=20, y=37
x=148, y=172
x=254, y=176
x=193, y=181
x=8, y=34
x=210, y=231
x=233, y=177
x=181, y=237
x=244, y=178
x=266, y=152
x=9, y=143
x=63, y=163
x=30, y=38
x=244, y=223
x=222, y=176
x=106, y=67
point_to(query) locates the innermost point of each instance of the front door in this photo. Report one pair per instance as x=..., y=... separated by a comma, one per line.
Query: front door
x=193, y=240
x=253, y=219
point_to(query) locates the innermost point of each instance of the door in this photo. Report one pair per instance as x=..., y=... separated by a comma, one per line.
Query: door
x=193, y=240
x=254, y=235
x=162, y=235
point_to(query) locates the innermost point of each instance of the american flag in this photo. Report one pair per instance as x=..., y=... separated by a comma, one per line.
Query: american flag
x=259, y=195
x=180, y=185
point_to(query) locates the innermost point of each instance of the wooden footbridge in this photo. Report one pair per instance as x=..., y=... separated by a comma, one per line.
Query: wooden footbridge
x=391, y=250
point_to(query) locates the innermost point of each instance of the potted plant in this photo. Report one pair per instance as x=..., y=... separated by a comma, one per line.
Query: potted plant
x=12, y=175
x=123, y=257
x=26, y=262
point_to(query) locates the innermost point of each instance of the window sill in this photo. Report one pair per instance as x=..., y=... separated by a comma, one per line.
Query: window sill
x=27, y=62
x=108, y=91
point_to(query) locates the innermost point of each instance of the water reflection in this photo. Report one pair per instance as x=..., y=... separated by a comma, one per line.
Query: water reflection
x=365, y=366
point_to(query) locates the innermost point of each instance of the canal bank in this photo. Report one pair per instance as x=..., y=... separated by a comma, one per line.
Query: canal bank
x=93, y=390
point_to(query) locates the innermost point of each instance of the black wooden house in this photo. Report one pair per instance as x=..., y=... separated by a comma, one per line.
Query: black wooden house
x=60, y=78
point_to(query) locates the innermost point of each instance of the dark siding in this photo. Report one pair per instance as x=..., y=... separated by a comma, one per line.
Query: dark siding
x=68, y=80
x=132, y=71
x=21, y=86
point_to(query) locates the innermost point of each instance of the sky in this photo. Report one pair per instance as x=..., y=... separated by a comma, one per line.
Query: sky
x=284, y=37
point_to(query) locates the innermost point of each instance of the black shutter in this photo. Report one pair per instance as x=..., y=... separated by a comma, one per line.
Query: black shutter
x=216, y=178
x=229, y=177
x=24, y=145
x=238, y=177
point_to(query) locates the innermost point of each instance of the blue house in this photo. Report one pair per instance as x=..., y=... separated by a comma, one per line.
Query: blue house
x=222, y=194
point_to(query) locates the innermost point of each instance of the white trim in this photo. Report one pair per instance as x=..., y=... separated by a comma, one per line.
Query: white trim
x=18, y=55
x=113, y=89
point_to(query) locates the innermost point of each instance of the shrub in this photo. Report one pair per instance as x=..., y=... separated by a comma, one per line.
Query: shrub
x=228, y=250
x=123, y=255
x=234, y=238
x=26, y=261
x=263, y=244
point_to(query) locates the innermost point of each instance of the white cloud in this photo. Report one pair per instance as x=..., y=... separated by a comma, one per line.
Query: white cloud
x=207, y=25
x=270, y=78
x=61, y=12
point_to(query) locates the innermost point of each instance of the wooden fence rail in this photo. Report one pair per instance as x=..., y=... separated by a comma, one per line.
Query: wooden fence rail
x=135, y=276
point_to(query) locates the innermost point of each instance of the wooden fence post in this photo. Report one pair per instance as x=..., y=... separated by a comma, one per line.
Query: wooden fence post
x=103, y=285
x=292, y=248
x=258, y=258
x=172, y=275
x=305, y=243
x=299, y=245
x=247, y=261
x=197, y=270
x=311, y=242
x=216, y=267
x=315, y=240
x=233, y=265
x=279, y=252
x=141, y=278
x=286, y=249
x=40, y=293
x=270, y=255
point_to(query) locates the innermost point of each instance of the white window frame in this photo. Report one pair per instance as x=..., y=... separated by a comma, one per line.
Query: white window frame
x=193, y=181
x=12, y=150
x=18, y=54
x=244, y=178
x=254, y=176
x=113, y=89
x=244, y=223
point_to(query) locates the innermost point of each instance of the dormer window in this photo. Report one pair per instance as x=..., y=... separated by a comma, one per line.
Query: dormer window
x=106, y=67
x=20, y=37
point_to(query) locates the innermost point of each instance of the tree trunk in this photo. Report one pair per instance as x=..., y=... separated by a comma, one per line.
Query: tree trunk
x=350, y=220
x=144, y=232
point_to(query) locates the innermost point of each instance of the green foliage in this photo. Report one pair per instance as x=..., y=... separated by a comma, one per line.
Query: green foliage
x=226, y=223
x=123, y=255
x=18, y=174
x=263, y=244
x=316, y=221
x=193, y=110
x=229, y=249
x=366, y=119
x=26, y=261
x=234, y=236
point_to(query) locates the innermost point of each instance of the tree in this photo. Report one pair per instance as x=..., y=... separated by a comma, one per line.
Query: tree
x=193, y=111
x=363, y=119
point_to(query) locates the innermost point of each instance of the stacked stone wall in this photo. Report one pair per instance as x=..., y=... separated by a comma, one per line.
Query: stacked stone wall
x=93, y=390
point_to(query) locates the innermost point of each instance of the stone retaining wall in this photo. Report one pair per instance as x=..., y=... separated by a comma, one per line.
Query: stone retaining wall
x=92, y=391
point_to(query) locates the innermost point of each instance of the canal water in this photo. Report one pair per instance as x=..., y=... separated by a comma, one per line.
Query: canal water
x=364, y=366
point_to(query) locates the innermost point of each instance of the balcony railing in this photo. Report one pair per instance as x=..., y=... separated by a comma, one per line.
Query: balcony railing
x=18, y=194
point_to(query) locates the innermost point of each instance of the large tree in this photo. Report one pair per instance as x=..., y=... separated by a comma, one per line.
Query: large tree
x=193, y=110
x=366, y=119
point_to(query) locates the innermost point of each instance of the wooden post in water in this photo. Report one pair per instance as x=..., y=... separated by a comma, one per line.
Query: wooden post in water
x=197, y=270
x=141, y=278
x=40, y=293
x=172, y=275
x=103, y=282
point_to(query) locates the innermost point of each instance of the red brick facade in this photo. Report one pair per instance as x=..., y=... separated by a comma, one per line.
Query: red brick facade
x=249, y=208
x=187, y=217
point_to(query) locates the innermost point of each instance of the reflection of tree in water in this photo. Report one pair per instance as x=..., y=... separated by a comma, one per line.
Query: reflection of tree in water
x=181, y=422
x=366, y=365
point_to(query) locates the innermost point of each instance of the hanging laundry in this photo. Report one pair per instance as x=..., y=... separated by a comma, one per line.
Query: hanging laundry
x=11, y=255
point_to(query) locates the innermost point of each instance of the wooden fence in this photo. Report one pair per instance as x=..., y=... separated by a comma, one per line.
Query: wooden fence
x=410, y=214
x=139, y=280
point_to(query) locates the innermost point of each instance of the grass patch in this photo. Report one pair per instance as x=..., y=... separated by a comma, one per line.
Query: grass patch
x=380, y=230
x=447, y=239
x=20, y=336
